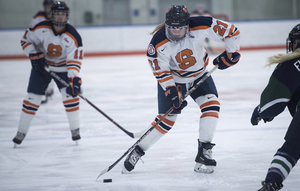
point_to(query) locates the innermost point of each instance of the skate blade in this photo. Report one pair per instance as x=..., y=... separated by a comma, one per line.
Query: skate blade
x=45, y=100
x=201, y=168
x=15, y=145
x=125, y=171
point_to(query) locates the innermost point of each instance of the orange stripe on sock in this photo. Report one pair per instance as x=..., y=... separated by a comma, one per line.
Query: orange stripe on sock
x=73, y=109
x=28, y=112
x=168, y=122
x=210, y=114
x=214, y=102
x=71, y=101
x=161, y=130
x=31, y=104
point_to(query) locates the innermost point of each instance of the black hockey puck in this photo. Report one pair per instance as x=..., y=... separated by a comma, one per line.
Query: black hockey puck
x=107, y=180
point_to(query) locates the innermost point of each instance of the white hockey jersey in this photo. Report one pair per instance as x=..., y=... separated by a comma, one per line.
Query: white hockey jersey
x=186, y=61
x=63, y=52
x=39, y=17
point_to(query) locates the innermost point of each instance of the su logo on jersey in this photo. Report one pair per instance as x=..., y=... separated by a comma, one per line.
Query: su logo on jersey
x=151, y=49
x=66, y=40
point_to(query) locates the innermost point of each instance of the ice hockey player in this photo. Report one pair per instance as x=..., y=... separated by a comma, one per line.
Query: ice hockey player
x=43, y=14
x=57, y=45
x=39, y=17
x=283, y=90
x=178, y=60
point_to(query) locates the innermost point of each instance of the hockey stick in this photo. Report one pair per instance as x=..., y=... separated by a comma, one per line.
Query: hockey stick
x=130, y=134
x=155, y=124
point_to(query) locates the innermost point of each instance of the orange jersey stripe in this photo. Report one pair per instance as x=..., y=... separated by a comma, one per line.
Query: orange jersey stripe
x=42, y=27
x=160, y=73
x=205, y=61
x=39, y=16
x=199, y=28
x=165, y=79
x=161, y=43
x=73, y=61
x=73, y=68
x=237, y=33
x=56, y=64
x=231, y=31
x=193, y=75
x=27, y=44
x=70, y=35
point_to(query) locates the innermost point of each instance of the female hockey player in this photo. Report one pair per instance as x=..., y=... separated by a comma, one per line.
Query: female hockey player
x=43, y=14
x=39, y=17
x=57, y=45
x=178, y=59
x=283, y=90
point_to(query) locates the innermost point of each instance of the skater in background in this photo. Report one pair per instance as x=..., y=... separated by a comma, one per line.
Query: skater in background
x=178, y=61
x=58, y=46
x=283, y=90
x=43, y=14
x=39, y=17
x=201, y=11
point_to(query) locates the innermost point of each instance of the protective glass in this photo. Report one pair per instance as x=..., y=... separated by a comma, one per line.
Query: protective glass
x=176, y=34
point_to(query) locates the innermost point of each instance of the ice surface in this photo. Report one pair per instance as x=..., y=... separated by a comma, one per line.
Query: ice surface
x=124, y=88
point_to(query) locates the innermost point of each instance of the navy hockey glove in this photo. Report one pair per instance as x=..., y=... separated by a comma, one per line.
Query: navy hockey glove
x=256, y=117
x=175, y=96
x=224, y=61
x=38, y=61
x=74, y=88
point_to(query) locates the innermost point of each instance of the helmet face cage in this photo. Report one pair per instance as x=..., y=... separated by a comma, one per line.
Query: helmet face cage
x=293, y=39
x=170, y=35
x=176, y=17
x=59, y=6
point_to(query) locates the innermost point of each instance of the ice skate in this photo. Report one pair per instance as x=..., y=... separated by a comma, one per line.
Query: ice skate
x=268, y=186
x=48, y=94
x=18, y=138
x=75, y=135
x=204, y=161
x=132, y=159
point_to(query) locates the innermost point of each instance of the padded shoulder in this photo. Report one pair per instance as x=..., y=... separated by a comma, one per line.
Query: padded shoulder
x=158, y=40
x=71, y=31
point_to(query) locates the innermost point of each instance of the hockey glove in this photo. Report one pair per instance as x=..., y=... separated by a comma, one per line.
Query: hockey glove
x=175, y=96
x=224, y=61
x=38, y=61
x=74, y=88
x=256, y=117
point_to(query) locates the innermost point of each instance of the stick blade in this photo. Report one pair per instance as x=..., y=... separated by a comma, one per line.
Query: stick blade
x=103, y=172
